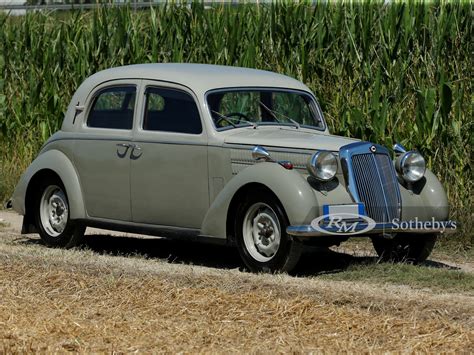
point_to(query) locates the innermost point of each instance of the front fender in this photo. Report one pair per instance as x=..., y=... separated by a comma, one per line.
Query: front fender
x=425, y=200
x=59, y=163
x=295, y=194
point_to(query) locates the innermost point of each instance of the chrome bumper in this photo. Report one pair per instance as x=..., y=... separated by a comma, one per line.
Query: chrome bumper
x=441, y=227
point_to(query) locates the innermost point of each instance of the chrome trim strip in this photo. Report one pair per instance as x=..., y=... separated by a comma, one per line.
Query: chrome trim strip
x=380, y=228
x=127, y=139
x=274, y=148
x=241, y=156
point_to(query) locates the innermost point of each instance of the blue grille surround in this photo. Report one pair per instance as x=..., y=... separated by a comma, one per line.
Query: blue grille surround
x=371, y=179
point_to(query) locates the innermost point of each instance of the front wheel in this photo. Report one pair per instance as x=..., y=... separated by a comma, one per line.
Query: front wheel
x=260, y=229
x=52, y=217
x=405, y=247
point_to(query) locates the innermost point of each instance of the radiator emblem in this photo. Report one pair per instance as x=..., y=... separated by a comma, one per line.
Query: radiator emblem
x=373, y=149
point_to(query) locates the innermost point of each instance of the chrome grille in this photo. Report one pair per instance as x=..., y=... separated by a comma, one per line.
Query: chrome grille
x=388, y=178
x=376, y=185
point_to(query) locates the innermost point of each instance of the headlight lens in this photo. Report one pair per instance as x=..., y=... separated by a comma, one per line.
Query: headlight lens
x=411, y=166
x=323, y=165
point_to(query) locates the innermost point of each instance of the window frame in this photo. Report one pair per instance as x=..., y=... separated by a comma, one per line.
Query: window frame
x=146, y=87
x=314, y=105
x=100, y=90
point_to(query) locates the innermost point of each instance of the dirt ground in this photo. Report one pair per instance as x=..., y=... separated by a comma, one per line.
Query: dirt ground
x=133, y=294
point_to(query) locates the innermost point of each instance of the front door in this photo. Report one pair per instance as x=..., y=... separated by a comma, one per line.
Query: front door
x=102, y=151
x=169, y=174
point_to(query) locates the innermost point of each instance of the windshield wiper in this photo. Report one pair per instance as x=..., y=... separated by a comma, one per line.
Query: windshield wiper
x=227, y=119
x=273, y=113
x=230, y=119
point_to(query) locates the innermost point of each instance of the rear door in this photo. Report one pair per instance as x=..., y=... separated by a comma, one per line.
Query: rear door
x=169, y=173
x=102, y=152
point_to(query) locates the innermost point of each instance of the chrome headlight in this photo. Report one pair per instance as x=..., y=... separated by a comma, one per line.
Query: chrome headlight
x=323, y=165
x=411, y=166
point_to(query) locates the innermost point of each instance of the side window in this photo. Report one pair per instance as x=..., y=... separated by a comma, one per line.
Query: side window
x=170, y=110
x=113, y=108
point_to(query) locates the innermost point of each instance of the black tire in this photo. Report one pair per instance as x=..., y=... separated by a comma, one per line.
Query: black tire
x=288, y=252
x=406, y=247
x=72, y=234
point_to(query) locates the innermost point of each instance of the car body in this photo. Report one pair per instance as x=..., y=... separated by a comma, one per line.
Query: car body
x=149, y=148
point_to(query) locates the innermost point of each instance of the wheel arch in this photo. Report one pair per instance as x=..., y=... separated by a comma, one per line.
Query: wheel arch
x=288, y=186
x=31, y=195
x=50, y=164
x=234, y=203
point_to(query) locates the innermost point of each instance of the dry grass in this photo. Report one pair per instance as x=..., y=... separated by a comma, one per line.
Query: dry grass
x=78, y=300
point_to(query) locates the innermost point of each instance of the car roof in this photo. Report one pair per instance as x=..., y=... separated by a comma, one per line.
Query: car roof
x=198, y=77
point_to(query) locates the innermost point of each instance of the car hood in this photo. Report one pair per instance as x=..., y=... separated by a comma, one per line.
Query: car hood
x=287, y=138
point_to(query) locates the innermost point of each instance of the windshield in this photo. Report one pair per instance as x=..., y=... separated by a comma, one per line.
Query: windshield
x=237, y=108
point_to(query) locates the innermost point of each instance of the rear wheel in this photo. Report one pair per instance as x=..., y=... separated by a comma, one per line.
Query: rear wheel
x=406, y=247
x=53, y=219
x=260, y=229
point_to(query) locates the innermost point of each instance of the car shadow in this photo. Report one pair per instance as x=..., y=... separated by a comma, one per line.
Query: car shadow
x=314, y=261
x=170, y=250
x=327, y=261
x=318, y=261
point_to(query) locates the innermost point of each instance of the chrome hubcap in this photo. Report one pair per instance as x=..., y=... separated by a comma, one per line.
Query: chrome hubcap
x=261, y=232
x=54, y=211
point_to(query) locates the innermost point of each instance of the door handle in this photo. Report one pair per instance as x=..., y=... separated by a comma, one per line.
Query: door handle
x=122, y=145
x=135, y=147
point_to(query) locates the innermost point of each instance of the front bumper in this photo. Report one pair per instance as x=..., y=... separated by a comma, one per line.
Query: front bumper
x=364, y=229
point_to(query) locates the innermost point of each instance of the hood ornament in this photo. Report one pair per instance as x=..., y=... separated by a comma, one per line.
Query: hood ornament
x=399, y=149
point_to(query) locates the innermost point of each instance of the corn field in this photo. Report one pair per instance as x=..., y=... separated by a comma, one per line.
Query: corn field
x=382, y=72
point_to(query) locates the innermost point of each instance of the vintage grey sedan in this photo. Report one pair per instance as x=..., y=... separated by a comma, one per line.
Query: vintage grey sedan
x=225, y=154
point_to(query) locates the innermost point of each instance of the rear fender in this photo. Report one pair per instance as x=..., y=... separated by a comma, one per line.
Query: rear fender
x=58, y=163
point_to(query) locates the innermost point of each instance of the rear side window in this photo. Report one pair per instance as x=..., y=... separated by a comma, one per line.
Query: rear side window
x=170, y=110
x=113, y=108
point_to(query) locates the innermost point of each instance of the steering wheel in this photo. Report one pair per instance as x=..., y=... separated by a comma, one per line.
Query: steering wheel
x=240, y=115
